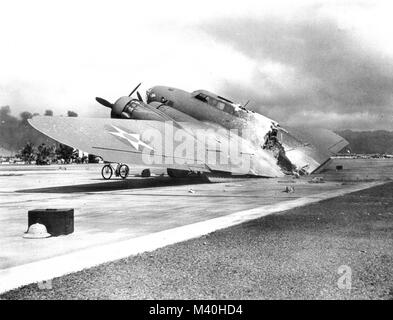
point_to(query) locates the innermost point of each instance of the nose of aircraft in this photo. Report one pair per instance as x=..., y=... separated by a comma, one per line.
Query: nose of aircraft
x=150, y=95
x=158, y=93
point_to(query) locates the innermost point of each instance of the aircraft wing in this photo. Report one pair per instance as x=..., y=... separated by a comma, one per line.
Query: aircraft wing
x=183, y=146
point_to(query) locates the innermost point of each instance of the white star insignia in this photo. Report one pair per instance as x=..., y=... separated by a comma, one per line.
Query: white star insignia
x=133, y=138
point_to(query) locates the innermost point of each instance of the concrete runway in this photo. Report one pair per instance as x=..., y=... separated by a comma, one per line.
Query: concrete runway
x=113, y=212
x=300, y=253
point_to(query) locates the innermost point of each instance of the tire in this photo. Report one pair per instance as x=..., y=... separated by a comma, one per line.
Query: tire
x=123, y=171
x=107, y=171
x=146, y=173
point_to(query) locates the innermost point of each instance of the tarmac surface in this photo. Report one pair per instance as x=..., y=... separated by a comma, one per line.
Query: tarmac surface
x=110, y=212
x=295, y=254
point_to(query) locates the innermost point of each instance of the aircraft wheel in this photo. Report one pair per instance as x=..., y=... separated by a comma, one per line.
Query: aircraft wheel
x=107, y=171
x=123, y=171
x=146, y=173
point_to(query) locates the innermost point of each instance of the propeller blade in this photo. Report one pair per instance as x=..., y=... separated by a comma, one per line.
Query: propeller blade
x=136, y=88
x=104, y=102
x=139, y=96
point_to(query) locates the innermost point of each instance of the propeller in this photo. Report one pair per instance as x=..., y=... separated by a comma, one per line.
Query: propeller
x=118, y=108
x=136, y=88
x=139, y=96
x=104, y=102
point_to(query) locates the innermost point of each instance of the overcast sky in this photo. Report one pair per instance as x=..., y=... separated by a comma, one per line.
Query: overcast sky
x=324, y=63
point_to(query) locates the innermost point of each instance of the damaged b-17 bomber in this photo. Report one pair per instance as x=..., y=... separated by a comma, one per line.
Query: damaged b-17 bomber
x=194, y=133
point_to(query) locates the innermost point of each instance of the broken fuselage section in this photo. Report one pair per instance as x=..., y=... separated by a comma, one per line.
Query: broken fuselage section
x=262, y=131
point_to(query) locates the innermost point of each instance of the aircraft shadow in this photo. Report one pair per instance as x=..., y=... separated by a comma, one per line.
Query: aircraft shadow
x=131, y=183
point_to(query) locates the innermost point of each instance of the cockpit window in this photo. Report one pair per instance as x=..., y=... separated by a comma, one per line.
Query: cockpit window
x=212, y=101
x=202, y=97
x=229, y=109
x=227, y=100
x=220, y=105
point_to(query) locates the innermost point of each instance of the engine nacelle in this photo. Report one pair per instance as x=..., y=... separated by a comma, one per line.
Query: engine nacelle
x=176, y=115
x=128, y=108
x=141, y=112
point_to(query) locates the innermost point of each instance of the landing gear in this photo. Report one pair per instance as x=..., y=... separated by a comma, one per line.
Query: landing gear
x=107, y=171
x=121, y=170
x=146, y=173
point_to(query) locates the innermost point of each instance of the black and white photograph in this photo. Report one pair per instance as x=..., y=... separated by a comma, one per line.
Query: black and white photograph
x=217, y=151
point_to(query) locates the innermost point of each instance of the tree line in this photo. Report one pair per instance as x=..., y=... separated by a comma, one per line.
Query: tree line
x=46, y=154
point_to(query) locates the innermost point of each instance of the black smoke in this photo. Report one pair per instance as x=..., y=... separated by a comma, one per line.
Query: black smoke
x=329, y=76
x=16, y=132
